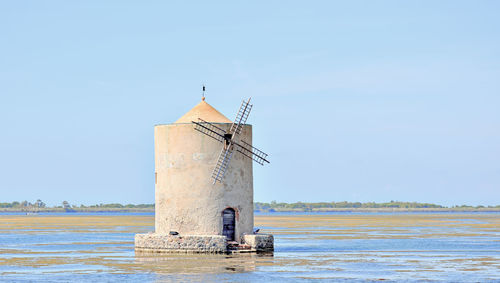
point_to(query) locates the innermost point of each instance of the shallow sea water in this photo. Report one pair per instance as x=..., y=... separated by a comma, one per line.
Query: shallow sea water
x=99, y=247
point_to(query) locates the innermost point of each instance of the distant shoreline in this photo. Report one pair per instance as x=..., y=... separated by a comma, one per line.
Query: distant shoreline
x=342, y=206
x=385, y=209
x=148, y=210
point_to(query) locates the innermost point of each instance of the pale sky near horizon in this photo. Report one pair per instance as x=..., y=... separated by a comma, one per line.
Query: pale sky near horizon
x=353, y=100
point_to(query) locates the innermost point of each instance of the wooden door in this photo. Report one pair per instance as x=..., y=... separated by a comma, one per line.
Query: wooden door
x=228, y=223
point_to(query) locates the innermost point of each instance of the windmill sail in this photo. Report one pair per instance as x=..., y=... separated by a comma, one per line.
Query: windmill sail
x=210, y=130
x=231, y=141
x=251, y=152
x=222, y=164
x=241, y=117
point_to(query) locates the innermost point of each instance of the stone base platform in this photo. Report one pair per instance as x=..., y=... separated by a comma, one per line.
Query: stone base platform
x=165, y=243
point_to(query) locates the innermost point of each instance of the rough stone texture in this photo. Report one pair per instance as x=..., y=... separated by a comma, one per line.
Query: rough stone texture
x=186, y=201
x=259, y=242
x=154, y=242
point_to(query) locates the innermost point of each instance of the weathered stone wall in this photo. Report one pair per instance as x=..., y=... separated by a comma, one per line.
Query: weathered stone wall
x=154, y=242
x=259, y=242
x=185, y=198
x=158, y=243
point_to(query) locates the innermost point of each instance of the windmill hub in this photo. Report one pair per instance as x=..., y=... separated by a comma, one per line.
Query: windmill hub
x=204, y=184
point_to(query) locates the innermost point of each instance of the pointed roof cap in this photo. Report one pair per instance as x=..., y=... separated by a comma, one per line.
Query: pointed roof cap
x=204, y=111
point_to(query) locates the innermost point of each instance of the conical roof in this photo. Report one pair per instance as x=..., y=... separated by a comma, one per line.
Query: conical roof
x=204, y=111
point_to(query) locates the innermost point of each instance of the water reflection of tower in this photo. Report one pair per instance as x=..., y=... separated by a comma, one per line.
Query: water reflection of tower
x=199, y=263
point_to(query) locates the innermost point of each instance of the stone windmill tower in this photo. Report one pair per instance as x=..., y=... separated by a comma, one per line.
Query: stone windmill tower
x=204, y=185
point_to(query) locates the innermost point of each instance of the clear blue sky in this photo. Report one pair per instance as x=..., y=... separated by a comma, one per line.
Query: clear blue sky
x=353, y=100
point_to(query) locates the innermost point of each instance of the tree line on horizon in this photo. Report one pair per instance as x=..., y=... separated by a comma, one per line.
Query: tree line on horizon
x=309, y=206
x=67, y=206
x=259, y=206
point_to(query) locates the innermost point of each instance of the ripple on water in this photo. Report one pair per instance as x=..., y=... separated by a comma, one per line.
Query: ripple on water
x=322, y=246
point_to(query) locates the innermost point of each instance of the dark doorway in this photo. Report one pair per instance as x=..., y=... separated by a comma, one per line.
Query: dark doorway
x=228, y=223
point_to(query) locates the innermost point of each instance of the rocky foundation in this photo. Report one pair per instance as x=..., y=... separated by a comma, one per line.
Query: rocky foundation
x=165, y=243
x=259, y=242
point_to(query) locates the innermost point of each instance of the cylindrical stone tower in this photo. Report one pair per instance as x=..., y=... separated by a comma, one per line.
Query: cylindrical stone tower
x=186, y=200
x=191, y=213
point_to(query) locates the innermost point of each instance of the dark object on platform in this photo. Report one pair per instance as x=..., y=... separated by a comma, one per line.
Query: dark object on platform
x=256, y=230
x=174, y=233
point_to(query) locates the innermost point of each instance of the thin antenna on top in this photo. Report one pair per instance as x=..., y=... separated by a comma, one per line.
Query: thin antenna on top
x=203, y=94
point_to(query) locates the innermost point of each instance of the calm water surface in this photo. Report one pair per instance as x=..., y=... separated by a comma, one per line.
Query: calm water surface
x=333, y=247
